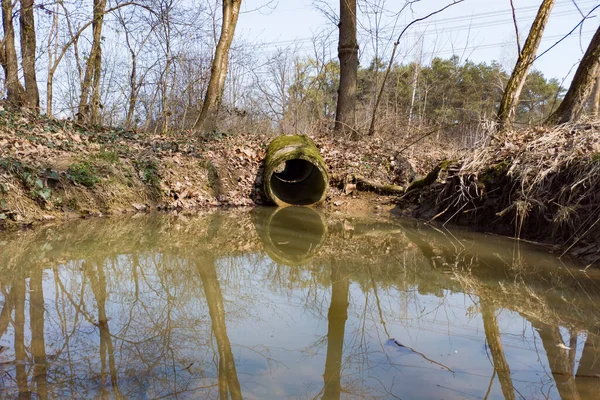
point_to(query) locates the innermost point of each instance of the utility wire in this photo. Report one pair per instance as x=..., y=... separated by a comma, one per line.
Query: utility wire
x=487, y=24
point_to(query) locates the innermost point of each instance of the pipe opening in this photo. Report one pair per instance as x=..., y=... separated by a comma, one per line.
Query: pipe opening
x=298, y=182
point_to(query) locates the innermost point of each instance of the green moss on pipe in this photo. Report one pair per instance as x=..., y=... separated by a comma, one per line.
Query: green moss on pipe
x=294, y=172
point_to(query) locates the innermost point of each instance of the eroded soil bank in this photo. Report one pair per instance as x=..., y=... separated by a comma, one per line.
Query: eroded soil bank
x=538, y=184
x=54, y=170
x=541, y=184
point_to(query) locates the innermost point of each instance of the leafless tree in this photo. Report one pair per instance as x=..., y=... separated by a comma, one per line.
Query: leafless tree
x=494, y=340
x=89, y=99
x=228, y=379
x=348, y=55
x=28, y=49
x=16, y=92
x=135, y=42
x=527, y=55
x=207, y=121
x=573, y=104
x=394, y=50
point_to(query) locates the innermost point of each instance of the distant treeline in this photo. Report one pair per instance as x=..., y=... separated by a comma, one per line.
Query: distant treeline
x=444, y=92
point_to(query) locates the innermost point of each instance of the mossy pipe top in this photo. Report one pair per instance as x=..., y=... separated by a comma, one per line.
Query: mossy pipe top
x=295, y=173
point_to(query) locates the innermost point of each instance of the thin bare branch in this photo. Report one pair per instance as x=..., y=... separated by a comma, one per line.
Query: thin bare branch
x=391, y=62
x=587, y=16
x=514, y=17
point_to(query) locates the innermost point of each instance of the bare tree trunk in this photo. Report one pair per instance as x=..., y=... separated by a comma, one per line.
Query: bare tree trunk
x=134, y=50
x=572, y=106
x=88, y=108
x=74, y=40
x=52, y=55
x=164, y=96
x=7, y=309
x=95, y=100
x=510, y=97
x=345, y=113
x=16, y=92
x=28, y=47
x=97, y=279
x=595, y=99
x=132, y=82
x=415, y=82
x=207, y=122
x=133, y=91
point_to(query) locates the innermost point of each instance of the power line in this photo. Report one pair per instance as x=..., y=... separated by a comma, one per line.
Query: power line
x=305, y=42
x=475, y=48
x=444, y=21
x=559, y=4
x=328, y=44
x=501, y=44
x=507, y=11
x=487, y=24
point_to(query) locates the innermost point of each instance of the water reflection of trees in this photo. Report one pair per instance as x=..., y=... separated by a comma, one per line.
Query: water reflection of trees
x=105, y=340
x=228, y=378
x=119, y=321
x=558, y=296
x=336, y=317
x=494, y=341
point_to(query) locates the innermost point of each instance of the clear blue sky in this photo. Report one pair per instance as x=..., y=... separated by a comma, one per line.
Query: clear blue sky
x=478, y=30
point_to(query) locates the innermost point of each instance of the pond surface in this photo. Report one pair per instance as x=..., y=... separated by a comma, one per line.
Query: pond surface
x=291, y=304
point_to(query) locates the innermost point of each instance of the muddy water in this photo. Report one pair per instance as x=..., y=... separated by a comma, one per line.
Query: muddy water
x=291, y=304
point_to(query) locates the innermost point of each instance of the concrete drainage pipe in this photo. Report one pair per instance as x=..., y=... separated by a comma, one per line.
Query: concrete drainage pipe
x=295, y=173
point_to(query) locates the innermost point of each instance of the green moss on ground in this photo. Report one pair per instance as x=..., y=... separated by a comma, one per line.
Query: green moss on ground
x=492, y=174
x=35, y=182
x=430, y=177
x=214, y=182
x=107, y=156
x=83, y=173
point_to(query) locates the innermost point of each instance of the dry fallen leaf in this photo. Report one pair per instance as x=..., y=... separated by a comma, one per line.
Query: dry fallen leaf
x=349, y=188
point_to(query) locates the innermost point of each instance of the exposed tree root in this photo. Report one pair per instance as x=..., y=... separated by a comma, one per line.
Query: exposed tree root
x=539, y=183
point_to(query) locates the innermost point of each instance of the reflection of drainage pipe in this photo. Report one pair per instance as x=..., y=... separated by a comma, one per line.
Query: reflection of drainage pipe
x=295, y=173
x=291, y=235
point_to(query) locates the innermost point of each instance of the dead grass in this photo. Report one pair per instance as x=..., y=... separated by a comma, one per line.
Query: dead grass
x=546, y=180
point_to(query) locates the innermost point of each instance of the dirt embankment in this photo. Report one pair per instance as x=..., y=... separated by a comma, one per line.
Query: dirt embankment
x=541, y=184
x=54, y=170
